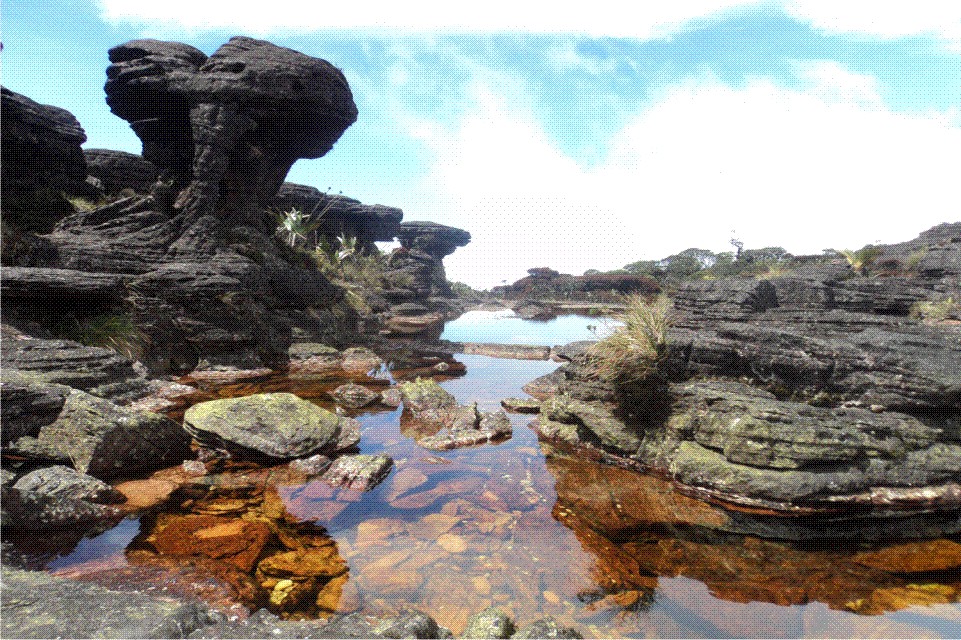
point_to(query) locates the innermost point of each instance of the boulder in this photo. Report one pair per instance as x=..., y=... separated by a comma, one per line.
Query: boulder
x=353, y=396
x=27, y=404
x=103, y=439
x=545, y=628
x=489, y=623
x=265, y=425
x=60, y=502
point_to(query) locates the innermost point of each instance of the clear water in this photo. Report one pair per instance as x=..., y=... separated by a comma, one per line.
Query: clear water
x=538, y=532
x=506, y=327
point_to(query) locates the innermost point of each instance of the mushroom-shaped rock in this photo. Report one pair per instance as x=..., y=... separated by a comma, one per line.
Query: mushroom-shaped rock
x=41, y=159
x=341, y=216
x=271, y=425
x=437, y=240
x=226, y=129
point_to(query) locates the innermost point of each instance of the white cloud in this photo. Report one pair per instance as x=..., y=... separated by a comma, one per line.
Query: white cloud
x=825, y=165
x=880, y=18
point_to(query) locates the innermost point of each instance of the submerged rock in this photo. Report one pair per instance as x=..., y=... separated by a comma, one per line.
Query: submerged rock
x=359, y=472
x=437, y=422
x=271, y=425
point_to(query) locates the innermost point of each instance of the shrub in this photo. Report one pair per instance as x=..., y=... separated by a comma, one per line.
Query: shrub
x=294, y=225
x=936, y=311
x=633, y=351
x=862, y=258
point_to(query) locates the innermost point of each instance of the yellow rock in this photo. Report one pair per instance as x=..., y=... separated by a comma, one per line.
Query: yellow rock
x=481, y=585
x=551, y=597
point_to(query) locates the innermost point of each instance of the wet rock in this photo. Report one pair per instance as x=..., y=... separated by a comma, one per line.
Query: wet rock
x=521, y=405
x=119, y=170
x=359, y=472
x=426, y=397
x=38, y=605
x=106, y=440
x=264, y=624
x=353, y=396
x=412, y=624
x=272, y=425
x=391, y=397
x=489, y=623
x=470, y=427
x=314, y=465
x=546, y=628
x=914, y=557
x=42, y=159
x=593, y=423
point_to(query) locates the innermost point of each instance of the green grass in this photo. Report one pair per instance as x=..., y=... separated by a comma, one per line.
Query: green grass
x=634, y=351
x=861, y=259
x=936, y=310
x=116, y=332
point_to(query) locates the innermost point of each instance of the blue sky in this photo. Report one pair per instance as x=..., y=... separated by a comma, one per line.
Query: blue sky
x=578, y=140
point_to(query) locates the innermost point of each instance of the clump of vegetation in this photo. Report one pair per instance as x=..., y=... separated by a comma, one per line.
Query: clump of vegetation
x=294, y=225
x=116, y=332
x=937, y=310
x=914, y=260
x=861, y=259
x=633, y=351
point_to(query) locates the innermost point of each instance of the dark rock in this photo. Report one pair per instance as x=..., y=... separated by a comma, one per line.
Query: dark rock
x=544, y=284
x=353, y=396
x=567, y=352
x=70, y=288
x=265, y=425
x=359, y=472
x=42, y=159
x=436, y=240
x=229, y=126
x=489, y=623
x=38, y=605
x=27, y=404
x=419, y=263
x=119, y=170
x=104, y=439
x=264, y=624
x=411, y=624
x=521, y=405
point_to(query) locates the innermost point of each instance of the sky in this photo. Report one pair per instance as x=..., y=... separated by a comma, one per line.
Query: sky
x=588, y=135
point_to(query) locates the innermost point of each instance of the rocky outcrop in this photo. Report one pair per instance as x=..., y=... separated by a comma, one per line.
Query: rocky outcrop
x=359, y=472
x=59, y=501
x=115, y=171
x=42, y=159
x=269, y=426
x=226, y=129
x=545, y=284
x=424, y=245
x=433, y=417
x=816, y=392
x=340, y=216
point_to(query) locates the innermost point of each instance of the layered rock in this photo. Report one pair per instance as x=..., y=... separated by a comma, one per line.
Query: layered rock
x=115, y=171
x=424, y=245
x=340, y=216
x=545, y=284
x=817, y=392
x=42, y=159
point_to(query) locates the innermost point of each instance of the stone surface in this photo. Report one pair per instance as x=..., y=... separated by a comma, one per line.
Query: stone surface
x=521, y=405
x=27, y=404
x=359, y=472
x=271, y=425
x=545, y=628
x=238, y=542
x=60, y=502
x=353, y=396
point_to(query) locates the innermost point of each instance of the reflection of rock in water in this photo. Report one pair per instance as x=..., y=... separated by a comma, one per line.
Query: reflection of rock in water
x=236, y=542
x=638, y=529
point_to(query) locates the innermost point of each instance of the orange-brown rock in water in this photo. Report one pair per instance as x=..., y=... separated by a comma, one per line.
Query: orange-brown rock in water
x=236, y=541
x=914, y=557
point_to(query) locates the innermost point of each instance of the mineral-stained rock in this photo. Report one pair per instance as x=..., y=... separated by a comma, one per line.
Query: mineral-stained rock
x=106, y=440
x=312, y=562
x=359, y=472
x=489, y=623
x=271, y=425
x=239, y=542
x=42, y=159
x=353, y=396
x=38, y=605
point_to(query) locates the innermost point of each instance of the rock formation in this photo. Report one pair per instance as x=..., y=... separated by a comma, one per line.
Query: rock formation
x=115, y=171
x=41, y=161
x=819, y=391
x=543, y=283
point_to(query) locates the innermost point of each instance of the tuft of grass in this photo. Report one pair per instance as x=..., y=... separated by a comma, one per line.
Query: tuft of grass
x=915, y=259
x=936, y=310
x=633, y=352
x=115, y=332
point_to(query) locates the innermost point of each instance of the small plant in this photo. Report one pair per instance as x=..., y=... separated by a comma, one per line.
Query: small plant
x=633, y=351
x=115, y=332
x=936, y=311
x=862, y=258
x=294, y=225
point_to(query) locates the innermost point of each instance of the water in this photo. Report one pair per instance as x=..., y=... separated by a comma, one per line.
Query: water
x=505, y=327
x=537, y=532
